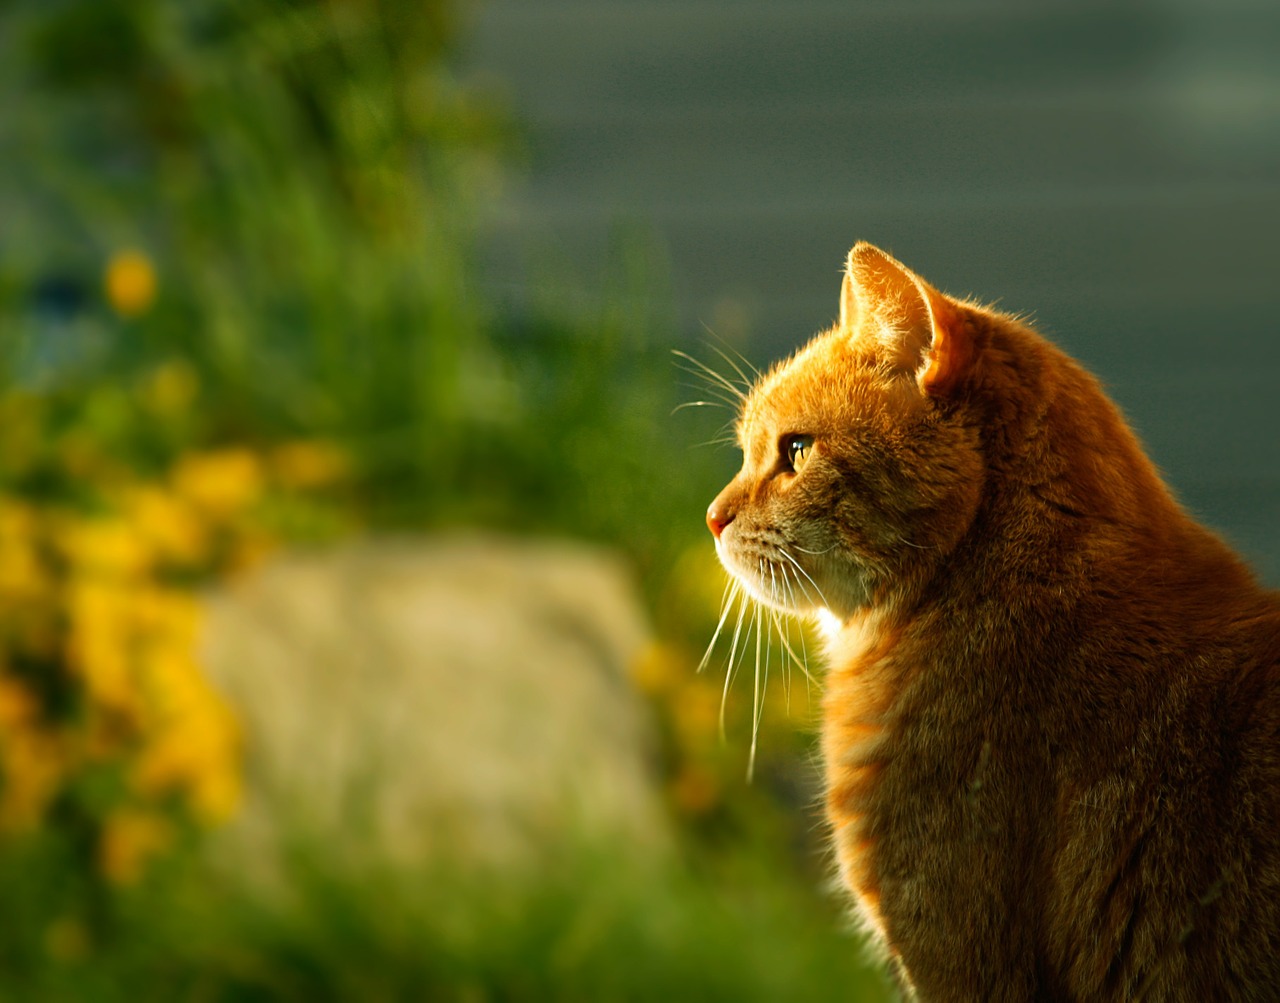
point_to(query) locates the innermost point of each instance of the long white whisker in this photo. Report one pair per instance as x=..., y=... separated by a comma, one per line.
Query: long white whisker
x=733, y=650
x=755, y=700
x=688, y=404
x=708, y=386
x=806, y=574
x=736, y=368
x=718, y=378
x=804, y=663
x=731, y=589
x=817, y=553
x=800, y=662
x=745, y=361
x=724, y=440
x=780, y=629
x=803, y=588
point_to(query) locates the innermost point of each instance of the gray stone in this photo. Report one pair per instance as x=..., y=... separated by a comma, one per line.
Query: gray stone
x=455, y=698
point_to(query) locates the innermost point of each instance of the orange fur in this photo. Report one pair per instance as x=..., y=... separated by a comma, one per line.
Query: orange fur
x=1052, y=720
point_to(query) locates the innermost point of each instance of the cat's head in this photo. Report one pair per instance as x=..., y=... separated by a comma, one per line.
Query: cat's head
x=860, y=472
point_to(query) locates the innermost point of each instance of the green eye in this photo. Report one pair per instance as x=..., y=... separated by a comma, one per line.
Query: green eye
x=797, y=449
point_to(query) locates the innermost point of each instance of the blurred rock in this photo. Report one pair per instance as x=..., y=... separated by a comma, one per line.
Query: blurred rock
x=457, y=698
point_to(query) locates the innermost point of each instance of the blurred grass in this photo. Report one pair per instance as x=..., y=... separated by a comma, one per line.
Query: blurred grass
x=244, y=228
x=589, y=929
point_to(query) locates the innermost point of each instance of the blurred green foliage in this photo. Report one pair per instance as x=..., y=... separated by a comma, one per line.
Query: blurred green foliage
x=588, y=930
x=245, y=225
x=303, y=178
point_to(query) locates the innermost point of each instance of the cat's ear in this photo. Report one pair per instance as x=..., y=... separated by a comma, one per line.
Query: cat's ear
x=917, y=327
x=848, y=301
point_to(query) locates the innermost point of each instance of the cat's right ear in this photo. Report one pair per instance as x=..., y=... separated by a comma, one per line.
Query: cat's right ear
x=917, y=328
x=848, y=302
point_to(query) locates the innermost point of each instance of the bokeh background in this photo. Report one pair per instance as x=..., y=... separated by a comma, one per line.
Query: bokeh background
x=353, y=581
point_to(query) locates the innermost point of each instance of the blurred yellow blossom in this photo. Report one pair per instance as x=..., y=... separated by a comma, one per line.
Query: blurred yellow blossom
x=111, y=548
x=17, y=707
x=169, y=525
x=249, y=548
x=309, y=464
x=130, y=283
x=31, y=763
x=222, y=483
x=193, y=740
x=99, y=644
x=97, y=602
x=129, y=838
x=22, y=576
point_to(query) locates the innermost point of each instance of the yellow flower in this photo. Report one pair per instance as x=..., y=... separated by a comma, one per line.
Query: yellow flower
x=221, y=483
x=17, y=520
x=249, y=549
x=105, y=548
x=193, y=743
x=194, y=753
x=169, y=525
x=216, y=794
x=16, y=704
x=31, y=764
x=130, y=838
x=303, y=465
x=100, y=642
x=130, y=283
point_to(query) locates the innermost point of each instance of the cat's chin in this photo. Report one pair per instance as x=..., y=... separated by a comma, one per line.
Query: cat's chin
x=786, y=587
x=773, y=602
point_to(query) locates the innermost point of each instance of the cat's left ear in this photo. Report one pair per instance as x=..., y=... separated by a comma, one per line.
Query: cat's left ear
x=917, y=326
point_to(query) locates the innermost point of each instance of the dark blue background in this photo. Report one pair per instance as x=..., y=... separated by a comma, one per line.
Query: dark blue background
x=1112, y=169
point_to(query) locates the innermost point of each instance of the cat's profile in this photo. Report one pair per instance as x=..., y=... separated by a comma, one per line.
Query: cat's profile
x=1051, y=722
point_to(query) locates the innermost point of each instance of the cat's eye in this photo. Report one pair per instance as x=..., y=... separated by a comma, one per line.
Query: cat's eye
x=796, y=448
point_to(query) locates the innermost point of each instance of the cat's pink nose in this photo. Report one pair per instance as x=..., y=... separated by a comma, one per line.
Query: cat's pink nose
x=717, y=518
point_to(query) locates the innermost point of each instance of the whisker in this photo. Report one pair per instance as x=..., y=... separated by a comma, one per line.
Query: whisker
x=917, y=546
x=755, y=700
x=747, y=379
x=736, y=368
x=710, y=374
x=806, y=574
x=817, y=553
x=808, y=679
x=803, y=588
x=731, y=589
x=733, y=650
x=686, y=404
x=723, y=440
x=732, y=400
x=800, y=662
x=780, y=629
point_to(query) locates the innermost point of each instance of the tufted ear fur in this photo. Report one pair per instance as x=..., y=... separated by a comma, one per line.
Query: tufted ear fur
x=918, y=328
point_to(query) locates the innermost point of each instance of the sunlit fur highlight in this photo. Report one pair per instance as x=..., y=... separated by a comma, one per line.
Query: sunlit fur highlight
x=1052, y=708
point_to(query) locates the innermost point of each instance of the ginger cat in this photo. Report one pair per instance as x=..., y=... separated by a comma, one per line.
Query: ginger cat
x=1051, y=726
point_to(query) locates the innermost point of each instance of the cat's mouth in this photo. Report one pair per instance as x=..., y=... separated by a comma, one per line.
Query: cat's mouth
x=771, y=575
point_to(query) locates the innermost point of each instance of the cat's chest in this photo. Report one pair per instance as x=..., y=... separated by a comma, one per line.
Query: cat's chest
x=902, y=794
x=861, y=685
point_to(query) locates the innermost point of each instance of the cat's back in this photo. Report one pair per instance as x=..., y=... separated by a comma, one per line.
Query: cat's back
x=1166, y=856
